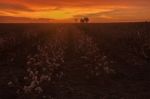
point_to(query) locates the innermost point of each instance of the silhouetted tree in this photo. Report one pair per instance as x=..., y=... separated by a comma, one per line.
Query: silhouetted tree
x=86, y=19
x=76, y=20
x=82, y=20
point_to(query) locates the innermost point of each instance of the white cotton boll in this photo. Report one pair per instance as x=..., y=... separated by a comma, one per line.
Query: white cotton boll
x=39, y=89
x=86, y=65
x=111, y=61
x=32, y=59
x=44, y=69
x=32, y=85
x=57, y=65
x=44, y=97
x=10, y=83
x=26, y=89
x=12, y=59
x=31, y=73
x=105, y=63
x=54, y=59
x=50, y=97
x=62, y=60
x=43, y=77
x=96, y=68
x=18, y=91
x=99, y=64
x=36, y=72
x=107, y=70
x=37, y=82
x=97, y=74
x=28, y=62
x=112, y=71
x=104, y=57
x=84, y=57
x=28, y=57
x=25, y=78
x=92, y=71
x=48, y=61
x=29, y=69
x=35, y=78
x=49, y=78
x=37, y=63
x=61, y=74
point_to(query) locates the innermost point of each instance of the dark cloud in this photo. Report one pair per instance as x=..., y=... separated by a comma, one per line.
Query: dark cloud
x=84, y=3
x=10, y=19
x=97, y=14
x=16, y=7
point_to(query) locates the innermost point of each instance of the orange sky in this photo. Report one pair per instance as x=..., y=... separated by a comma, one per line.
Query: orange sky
x=68, y=10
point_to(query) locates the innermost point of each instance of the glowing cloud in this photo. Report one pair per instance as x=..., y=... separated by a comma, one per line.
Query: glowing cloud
x=97, y=10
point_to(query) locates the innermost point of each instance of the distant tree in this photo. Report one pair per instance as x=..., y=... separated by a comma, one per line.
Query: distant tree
x=76, y=20
x=82, y=20
x=86, y=19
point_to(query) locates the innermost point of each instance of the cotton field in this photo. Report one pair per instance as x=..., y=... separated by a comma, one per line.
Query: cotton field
x=75, y=61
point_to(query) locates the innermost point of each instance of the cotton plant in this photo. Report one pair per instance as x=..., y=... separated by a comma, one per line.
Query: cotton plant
x=95, y=62
x=43, y=67
x=138, y=47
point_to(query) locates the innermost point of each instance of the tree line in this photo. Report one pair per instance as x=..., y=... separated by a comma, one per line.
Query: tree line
x=83, y=20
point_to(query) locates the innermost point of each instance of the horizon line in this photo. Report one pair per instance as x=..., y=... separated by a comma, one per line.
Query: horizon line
x=71, y=22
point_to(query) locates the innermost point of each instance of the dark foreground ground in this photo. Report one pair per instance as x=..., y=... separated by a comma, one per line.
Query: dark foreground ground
x=75, y=61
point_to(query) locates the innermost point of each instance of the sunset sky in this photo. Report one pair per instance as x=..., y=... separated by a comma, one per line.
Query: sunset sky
x=68, y=10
